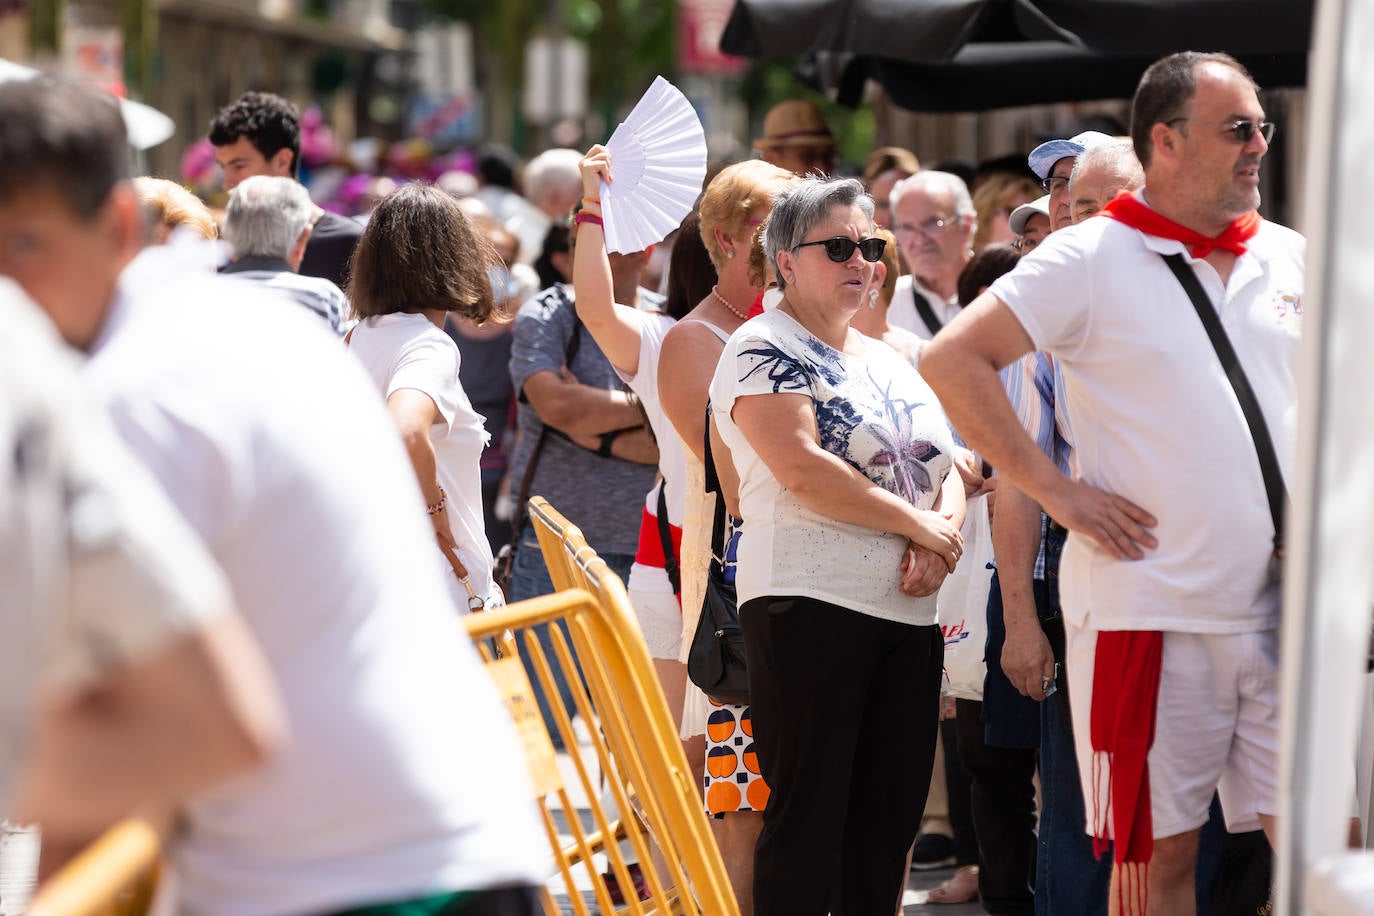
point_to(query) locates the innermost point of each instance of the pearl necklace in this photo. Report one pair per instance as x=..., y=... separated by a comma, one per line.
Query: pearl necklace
x=742, y=316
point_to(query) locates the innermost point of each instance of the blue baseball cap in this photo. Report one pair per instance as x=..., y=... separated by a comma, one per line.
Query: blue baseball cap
x=1044, y=156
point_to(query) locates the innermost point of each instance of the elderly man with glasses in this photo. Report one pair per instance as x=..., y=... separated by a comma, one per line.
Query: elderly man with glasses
x=934, y=223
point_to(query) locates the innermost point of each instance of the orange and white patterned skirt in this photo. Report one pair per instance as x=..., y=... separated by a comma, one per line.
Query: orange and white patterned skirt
x=732, y=780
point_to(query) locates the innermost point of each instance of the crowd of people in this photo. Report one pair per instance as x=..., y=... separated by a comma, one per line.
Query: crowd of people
x=259, y=465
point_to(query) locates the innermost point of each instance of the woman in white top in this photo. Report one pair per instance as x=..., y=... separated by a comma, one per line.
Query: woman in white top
x=632, y=339
x=419, y=260
x=851, y=522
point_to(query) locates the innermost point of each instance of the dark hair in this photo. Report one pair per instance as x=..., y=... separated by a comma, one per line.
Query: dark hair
x=1165, y=90
x=496, y=166
x=65, y=137
x=270, y=122
x=690, y=271
x=984, y=267
x=420, y=251
x=1013, y=164
x=556, y=241
x=961, y=167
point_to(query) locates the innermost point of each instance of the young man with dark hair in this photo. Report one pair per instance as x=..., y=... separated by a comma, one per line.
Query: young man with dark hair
x=260, y=134
x=1169, y=585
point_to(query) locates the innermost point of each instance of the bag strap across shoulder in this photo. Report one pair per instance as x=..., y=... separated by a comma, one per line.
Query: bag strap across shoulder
x=925, y=311
x=665, y=535
x=522, y=501
x=1274, y=488
x=712, y=481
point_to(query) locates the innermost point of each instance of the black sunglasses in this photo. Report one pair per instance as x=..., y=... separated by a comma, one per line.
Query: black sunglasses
x=1243, y=130
x=841, y=248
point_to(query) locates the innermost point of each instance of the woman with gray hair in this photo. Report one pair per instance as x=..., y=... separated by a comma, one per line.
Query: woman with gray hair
x=852, y=522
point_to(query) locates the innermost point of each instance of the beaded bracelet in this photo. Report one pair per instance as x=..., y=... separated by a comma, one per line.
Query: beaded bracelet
x=439, y=506
x=591, y=200
x=585, y=217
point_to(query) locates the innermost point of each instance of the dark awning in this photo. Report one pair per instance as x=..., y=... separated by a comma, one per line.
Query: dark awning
x=972, y=55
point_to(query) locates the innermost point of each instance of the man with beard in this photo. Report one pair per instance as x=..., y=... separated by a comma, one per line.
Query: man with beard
x=1170, y=587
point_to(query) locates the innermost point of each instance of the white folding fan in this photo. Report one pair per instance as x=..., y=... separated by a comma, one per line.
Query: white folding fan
x=658, y=161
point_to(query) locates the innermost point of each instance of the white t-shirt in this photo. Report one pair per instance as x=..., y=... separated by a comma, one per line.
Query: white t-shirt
x=672, y=463
x=901, y=312
x=876, y=413
x=97, y=570
x=404, y=350
x=403, y=776
x=1156, y=421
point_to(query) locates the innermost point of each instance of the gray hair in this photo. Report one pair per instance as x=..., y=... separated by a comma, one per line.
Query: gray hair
x=1117, y=157
x=935, y=181
x=552, y=171
x=804, y=203
x=266, y=216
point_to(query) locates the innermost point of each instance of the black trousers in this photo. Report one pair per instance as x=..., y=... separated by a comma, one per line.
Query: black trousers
x=1002, y=798
x=844, y=708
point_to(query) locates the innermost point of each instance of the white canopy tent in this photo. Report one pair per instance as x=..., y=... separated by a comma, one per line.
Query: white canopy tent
x=146, y=125
x=1330, y=574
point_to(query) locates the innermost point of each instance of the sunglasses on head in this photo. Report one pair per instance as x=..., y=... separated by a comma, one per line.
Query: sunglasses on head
x=841, y=248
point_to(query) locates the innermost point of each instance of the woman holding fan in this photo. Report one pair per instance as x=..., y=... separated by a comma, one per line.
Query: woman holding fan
x=632, y=340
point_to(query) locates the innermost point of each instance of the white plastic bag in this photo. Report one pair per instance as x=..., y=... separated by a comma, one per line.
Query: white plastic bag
x=962, y=605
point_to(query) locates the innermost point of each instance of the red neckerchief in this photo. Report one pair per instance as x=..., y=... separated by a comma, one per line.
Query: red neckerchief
x=1128, y=209
x=1125, y=698
x=757, y=308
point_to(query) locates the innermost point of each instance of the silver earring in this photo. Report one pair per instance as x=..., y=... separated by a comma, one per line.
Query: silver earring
x=730, y=253
x=872, y=298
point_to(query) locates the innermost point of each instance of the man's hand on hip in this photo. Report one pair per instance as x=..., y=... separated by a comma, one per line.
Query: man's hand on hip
x=1115, y=524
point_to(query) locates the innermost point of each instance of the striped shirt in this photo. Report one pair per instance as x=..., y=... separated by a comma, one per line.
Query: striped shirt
x=1033, y=384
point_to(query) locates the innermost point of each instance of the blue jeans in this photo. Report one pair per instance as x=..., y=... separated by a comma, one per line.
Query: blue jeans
x=529, y=578
x=1069, y=881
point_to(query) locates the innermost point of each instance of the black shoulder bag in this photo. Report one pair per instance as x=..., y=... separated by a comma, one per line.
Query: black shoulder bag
x=505, y=557
x=1249, y=404
x=716, y=661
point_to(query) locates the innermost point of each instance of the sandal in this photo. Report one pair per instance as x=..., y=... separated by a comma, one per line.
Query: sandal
x=961, y=887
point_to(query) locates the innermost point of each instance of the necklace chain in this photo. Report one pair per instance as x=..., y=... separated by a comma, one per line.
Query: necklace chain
x=742, y=316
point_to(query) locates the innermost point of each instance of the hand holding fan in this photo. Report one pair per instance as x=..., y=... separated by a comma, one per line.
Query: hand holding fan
x=658, y=159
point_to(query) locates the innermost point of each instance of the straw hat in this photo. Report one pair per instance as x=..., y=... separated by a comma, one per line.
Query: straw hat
x=794, y=123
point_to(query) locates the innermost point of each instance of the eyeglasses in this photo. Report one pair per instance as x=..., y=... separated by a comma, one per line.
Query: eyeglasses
x=1054, y=184
x=933, y=226
x=841, y=248
x=1243, y=131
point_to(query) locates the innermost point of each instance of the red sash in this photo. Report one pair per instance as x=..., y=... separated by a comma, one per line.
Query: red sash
x=1125, y=699
x=1127, y=208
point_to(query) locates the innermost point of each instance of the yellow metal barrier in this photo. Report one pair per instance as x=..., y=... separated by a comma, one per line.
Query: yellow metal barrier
x=115, y=876
x=633, y=743
x=562, y=544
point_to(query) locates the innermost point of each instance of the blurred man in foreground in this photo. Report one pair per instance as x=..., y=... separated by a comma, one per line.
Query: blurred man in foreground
x=403, y=784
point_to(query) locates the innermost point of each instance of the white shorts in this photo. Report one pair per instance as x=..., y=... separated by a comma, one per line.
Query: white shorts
x=1217, y=729
x=660, y=619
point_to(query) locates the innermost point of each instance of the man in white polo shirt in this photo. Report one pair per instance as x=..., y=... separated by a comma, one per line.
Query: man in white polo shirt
x=1169, y=580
